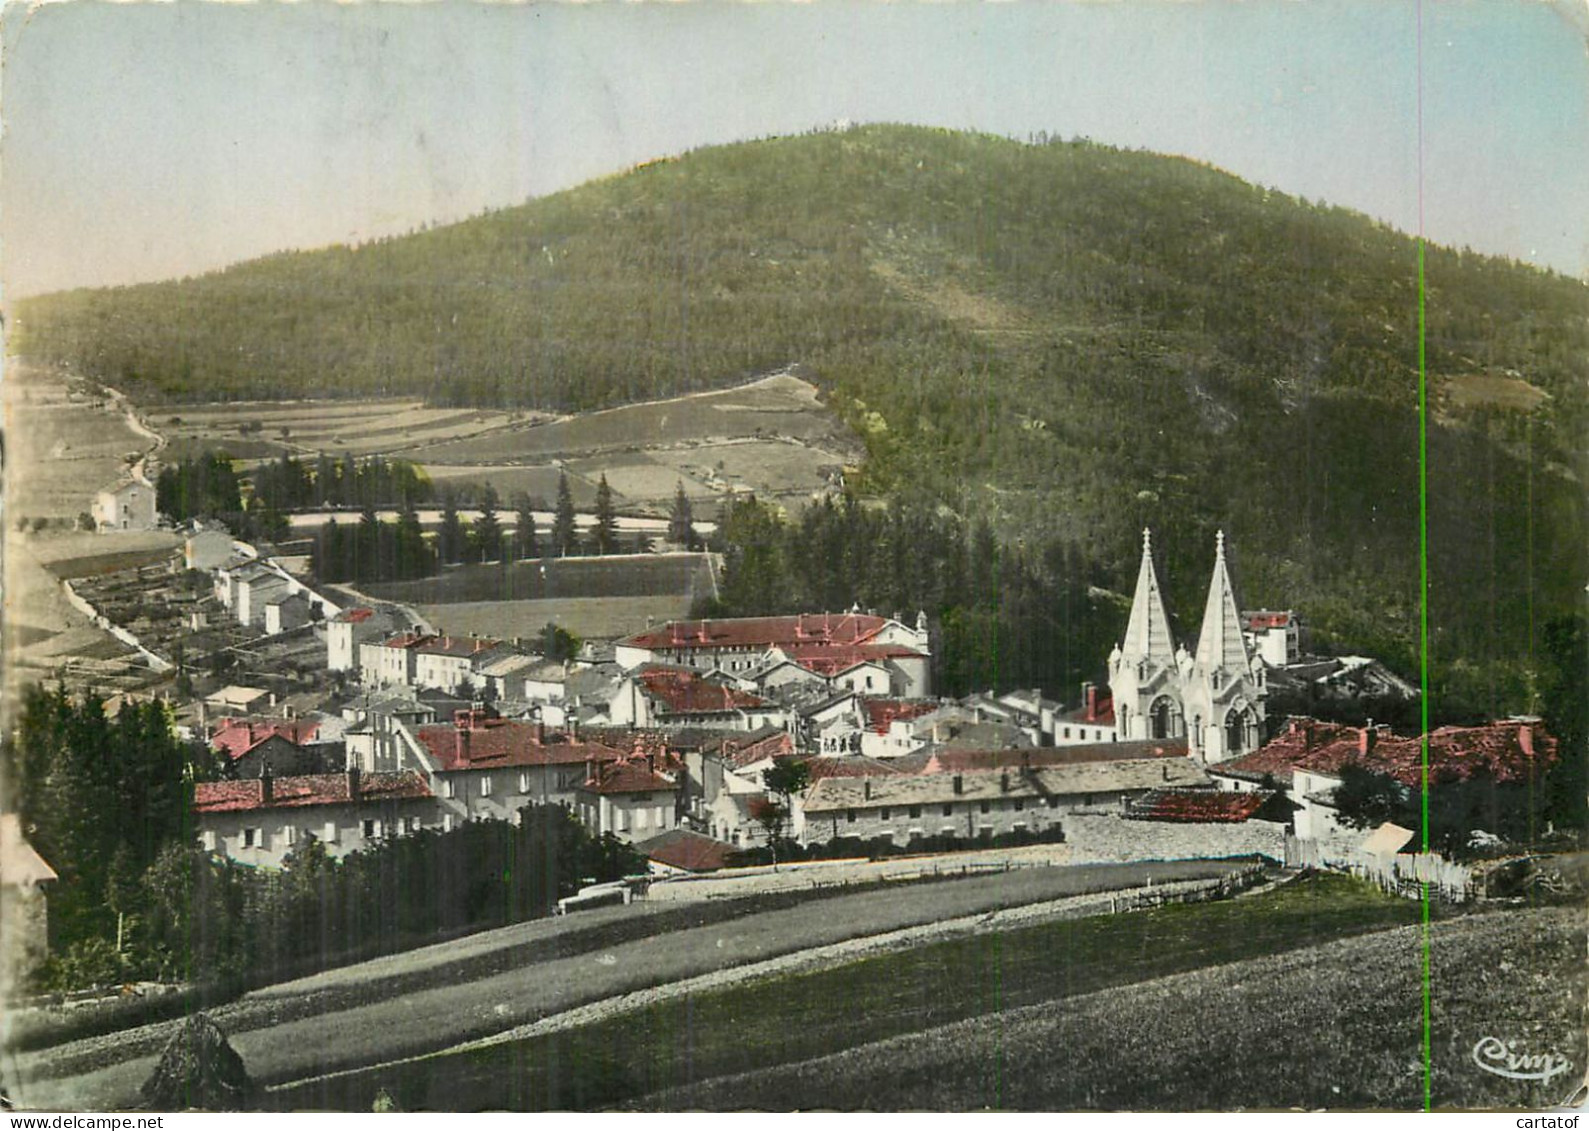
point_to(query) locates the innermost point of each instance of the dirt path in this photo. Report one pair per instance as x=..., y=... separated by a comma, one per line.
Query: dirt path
x=368, y=1014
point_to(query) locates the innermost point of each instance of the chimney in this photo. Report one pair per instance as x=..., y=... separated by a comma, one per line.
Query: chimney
x=590, y=769
x=540, y=731
x=1089, y=696
x=1164, y=771
x=1525, y=739
x=353, y=784
x=1004, y=782
x=702, y=636
x=267, y=790
x=1366, y=738
x=866, y=788
x=960, y=783
x=463, y=744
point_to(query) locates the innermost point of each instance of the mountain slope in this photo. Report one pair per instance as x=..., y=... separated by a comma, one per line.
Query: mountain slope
x=1075, y=340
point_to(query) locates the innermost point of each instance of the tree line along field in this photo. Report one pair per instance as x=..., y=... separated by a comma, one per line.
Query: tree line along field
x=665, y=1055
x=628, y=575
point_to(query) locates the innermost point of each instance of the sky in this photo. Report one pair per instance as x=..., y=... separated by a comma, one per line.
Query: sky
x=153, y=140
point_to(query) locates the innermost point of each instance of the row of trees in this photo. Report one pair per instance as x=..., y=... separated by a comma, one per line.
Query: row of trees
x=1004, y=615
x=378, y=550
x=99, y=796
x=107, y=800
x=209, y=919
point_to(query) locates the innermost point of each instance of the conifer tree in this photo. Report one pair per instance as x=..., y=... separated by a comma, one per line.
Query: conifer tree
x=563, y=532
x=488, y=528
x=525, y=544
x=681, y=522
x=604, y=537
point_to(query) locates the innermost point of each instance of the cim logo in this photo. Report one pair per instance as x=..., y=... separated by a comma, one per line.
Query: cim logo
x=1502, y=1059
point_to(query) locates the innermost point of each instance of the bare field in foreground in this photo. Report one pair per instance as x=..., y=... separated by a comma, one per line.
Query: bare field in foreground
x=1332, y=1026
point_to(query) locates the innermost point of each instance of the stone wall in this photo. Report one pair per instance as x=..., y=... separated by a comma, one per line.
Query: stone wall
x=1107, y=837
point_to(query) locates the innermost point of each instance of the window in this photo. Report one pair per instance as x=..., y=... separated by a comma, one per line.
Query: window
x=524, y=783
x=289, y=836
x=251, y=838
x=1067, y=732
x=330, y=832
x=372, y=829
x=1053, y=802
x=883, y=814
x=485, y=785
x=986, y=807
x=915, y=811
x=207, y=838
x=948, y=810
x=849, y=815
x=446, y=822
x=642, y=818
x=1020, y=804
x=447, y=787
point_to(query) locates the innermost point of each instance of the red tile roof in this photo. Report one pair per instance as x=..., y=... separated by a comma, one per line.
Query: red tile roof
x=849, y=766
x=406, y=640
x=688, y=851
x=497, y=742
x=1510, y=751
x=307, y=790
x=354, y=616
x=236, y=737
x=629, y=776
x=1197, y=805
x=456, y=646
x=953, y=759
x=1100, y=713
x=831, y=659
x=762, y=632
x=1260, y=619
x=684, y=692
x=880, y=713
x=772, y=746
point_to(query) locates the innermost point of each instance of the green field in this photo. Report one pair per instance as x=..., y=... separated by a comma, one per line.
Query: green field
x=629, y=575
x=1336, y=1026
x=659, y=1052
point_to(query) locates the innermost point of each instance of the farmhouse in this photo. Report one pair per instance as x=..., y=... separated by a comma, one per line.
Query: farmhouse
x=664, y=696
x=1092, y=722
x=682, y=852
x=480, y=766
x=286, y=746
x=207, y=548
x=260, y=821
x=125, y=505
x=830, y=645
x=390, y=662
x=628, y=799
x=1307, y=758
x=351, y=628
x=24, y=906
x=979, y=803
x=453, y=663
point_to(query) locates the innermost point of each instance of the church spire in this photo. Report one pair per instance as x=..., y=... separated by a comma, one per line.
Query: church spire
x=1220, y=644
x=1148, y=631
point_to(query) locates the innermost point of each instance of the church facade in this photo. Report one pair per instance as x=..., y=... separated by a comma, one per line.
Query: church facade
x=1213, y=698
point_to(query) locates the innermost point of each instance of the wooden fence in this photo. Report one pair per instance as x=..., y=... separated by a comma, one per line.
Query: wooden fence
x=1404, y=874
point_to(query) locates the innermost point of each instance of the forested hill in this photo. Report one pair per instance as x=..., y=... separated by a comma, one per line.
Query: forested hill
x=1074, y=340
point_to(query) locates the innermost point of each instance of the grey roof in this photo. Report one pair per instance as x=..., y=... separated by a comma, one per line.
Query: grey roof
x=932, y=789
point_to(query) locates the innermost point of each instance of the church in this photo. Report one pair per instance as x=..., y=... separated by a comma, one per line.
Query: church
x=1215, y=698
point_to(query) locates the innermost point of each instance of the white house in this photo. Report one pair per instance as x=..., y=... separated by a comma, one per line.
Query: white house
x=259, y=821
x=126, y=505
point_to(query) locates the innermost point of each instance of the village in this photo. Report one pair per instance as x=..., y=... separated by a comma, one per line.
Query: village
x=710, y=744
